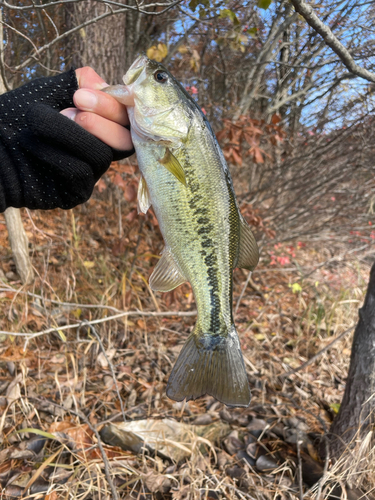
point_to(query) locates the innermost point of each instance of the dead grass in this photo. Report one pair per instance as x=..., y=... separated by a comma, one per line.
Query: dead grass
x=93, y=264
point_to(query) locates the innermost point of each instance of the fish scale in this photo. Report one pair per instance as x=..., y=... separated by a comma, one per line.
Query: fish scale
x=187, y=181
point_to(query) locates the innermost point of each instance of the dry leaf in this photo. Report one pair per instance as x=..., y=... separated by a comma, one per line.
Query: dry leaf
x=14, y=390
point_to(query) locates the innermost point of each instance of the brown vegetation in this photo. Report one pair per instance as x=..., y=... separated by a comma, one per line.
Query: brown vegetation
x=88, y=345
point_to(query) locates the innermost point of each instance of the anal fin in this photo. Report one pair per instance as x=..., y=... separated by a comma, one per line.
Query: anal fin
x=248, y=255
x=166, y=275
x=212, y=365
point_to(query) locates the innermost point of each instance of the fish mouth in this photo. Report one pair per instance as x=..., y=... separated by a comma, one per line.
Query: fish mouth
x=135, y=70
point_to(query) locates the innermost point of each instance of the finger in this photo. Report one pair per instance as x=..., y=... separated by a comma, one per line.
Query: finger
x=101, y=104
x=113, y=134
x=70, y=113
x=88, y=78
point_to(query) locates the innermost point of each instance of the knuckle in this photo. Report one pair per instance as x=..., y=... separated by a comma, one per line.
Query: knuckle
x=88, y=72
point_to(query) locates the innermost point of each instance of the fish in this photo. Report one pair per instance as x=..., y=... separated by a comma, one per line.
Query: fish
x=185, y=177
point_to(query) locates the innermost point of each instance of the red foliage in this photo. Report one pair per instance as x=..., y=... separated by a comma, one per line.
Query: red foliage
x=254, y=133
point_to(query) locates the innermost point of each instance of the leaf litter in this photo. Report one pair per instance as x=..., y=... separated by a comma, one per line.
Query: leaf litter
x=63, y=432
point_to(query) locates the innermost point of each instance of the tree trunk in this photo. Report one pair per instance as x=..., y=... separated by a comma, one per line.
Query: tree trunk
x=19, y=244
x=16, y=232
x=358, y=404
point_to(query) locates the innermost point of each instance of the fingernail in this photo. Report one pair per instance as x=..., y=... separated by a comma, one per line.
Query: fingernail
x=70, y=113
x=85, y=99
x=103, y=85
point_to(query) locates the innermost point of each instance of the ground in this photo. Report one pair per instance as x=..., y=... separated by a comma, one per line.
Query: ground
x=88, y=346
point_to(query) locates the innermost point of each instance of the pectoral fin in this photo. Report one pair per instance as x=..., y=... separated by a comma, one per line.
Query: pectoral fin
x=173, y=165
x=248, y=256
x=143, y=201
x=166, y=275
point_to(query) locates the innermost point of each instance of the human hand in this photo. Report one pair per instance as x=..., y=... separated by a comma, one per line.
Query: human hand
x=99, y=113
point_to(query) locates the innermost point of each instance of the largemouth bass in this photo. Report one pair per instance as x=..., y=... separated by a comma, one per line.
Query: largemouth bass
x=186, y=179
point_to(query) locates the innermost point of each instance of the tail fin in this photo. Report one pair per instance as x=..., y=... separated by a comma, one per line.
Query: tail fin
x=210, y=364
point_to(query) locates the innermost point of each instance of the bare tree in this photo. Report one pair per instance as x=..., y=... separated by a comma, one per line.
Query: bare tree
x=17, y=236
x=358, y=405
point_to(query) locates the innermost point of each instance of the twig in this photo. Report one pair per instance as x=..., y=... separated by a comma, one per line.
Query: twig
x=326, y=464
x=317, y=355
x=300, y=478
x=110, y=366
x=253, y=286
x=80, y=415
x=136, y=249
x=57, y=329
x=330, y=39
x=58, y=302
x=167, y=5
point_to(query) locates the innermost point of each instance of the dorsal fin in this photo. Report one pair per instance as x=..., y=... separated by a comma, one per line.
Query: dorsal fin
x=166, y=275
x=248, y=255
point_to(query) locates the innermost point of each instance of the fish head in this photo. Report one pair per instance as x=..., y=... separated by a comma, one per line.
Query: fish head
x=160, y=111
x=159, y=108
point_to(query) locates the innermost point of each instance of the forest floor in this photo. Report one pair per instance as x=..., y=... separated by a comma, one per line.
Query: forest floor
x=83, y=409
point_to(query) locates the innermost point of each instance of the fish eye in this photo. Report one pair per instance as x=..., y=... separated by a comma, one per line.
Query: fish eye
x=161, y=76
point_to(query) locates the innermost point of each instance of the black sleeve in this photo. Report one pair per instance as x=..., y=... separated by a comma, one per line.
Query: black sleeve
x=47, y=160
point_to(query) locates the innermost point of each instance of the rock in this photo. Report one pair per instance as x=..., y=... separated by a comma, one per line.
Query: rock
x=226, y=416
x=233, y=444
x=203, y=419
x=252, y=449
x=295, y=423
x=242, y=455
x=266, y=464
x=294, y=435
x=241, y=420
x=11, y=276
x=222, y=459
x=14, y=491
x=236, y=472
x=40, y=486
x=279, y=430
x=249, y=438
x=210, y=494
x=257, y=426
x=36, y=444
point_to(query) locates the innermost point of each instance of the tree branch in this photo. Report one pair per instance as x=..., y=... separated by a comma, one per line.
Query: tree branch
x=330, y=39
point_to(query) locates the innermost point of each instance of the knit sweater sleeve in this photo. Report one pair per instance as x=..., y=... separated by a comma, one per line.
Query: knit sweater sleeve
x=47, y=160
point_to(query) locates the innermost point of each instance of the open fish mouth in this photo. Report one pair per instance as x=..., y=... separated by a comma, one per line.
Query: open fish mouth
x=135, y=70
x=125, y=93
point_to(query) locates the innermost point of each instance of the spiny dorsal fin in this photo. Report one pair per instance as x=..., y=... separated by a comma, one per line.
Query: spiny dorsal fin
x=173, y=165
x=248, y=255
x=143, y=199
x=166, y=275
